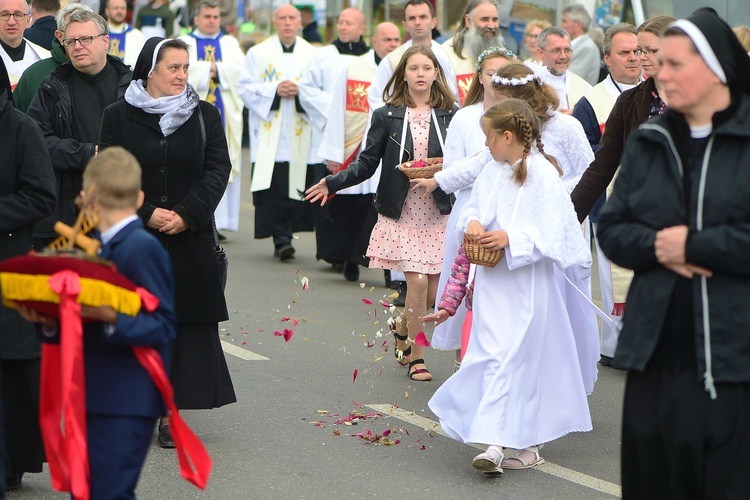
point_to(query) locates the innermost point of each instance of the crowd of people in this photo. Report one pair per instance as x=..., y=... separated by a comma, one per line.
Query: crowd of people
x=631, y=144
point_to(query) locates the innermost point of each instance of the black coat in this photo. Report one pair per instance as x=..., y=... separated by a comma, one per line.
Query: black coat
x=179, y=175
x=27, y=194
x=383, y=141
x=649, y=196
x=52, y=109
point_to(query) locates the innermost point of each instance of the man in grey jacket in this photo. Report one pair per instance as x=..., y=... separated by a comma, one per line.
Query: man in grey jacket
x=587, y=59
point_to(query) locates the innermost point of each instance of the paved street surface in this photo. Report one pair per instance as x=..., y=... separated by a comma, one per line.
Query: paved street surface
x=281, y=439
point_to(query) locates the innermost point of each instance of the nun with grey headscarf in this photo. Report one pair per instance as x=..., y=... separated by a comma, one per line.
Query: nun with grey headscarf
x=181, y=146
x=679, y=216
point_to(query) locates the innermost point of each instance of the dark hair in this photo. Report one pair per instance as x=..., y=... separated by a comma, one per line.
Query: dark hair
x=517, y=117
x=420, y=2
x=476, y=91
x=540, y=97
x=46, y=5
x=396, y=91
x=172, y=43
x=458, y=38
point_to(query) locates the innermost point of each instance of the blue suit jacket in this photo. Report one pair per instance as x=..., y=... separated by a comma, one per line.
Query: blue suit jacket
x=116, y=384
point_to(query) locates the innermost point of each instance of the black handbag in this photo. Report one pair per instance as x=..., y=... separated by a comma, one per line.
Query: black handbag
x=222, y=261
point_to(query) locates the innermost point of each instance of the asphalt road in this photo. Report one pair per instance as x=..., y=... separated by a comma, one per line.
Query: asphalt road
x=281, y=439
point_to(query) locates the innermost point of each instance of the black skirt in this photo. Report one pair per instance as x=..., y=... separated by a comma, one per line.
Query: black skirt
x=343, y=229
x=199, y=370
x=23, y=437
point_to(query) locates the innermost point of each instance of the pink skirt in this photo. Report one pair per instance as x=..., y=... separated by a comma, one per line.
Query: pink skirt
x=414, y=243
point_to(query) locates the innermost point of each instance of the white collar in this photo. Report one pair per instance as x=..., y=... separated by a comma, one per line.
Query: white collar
x=198, y=34
x=110, y=233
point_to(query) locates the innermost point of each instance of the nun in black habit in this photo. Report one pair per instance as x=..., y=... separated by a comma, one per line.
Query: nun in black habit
x=181, y=146
x=679, y=216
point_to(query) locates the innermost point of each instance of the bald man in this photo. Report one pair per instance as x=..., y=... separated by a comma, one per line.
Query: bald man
x=345, y=230
x=280, y=131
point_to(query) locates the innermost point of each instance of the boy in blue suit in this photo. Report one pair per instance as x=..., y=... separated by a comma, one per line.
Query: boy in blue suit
x=122, y=402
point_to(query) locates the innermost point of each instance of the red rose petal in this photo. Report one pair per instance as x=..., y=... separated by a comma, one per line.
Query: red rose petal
x=354, y=375
x=421, y=340
x=367, y=301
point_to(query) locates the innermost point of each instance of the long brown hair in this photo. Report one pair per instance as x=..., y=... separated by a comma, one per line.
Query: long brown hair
x=541, y=97
x=396, y=91
x=475, y=93
x=517, y=117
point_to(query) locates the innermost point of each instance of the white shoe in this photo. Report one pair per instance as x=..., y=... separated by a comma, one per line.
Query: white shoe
x=489, y=461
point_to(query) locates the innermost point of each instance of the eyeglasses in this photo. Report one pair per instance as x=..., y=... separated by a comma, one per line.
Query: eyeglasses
x=648, y=52
x=18, y=16
x=559, y=51
x=85, y=40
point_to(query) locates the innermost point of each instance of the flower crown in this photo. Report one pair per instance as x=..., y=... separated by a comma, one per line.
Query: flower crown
x=539, y=73
x=495, y=51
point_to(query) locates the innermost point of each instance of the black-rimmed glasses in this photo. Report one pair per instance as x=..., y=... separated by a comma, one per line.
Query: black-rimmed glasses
x=84, y=40
x=18, y=16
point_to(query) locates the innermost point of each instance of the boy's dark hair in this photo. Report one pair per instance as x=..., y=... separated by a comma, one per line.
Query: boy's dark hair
x=420, y=2
x=115, y=176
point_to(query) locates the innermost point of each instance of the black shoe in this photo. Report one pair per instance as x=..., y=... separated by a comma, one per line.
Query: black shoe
x=605, y=360
x=165, y=437
x=284, y=252
x=222, y=238
x=14, y=481
x=351, y=271
x=400, y=301
x=337, y=266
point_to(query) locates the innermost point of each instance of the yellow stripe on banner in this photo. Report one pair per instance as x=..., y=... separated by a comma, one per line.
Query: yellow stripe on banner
x=547, y=467
x=35, y=287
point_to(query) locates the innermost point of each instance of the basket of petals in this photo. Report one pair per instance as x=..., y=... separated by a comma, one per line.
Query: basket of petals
x=479, y=255
x=421, y=169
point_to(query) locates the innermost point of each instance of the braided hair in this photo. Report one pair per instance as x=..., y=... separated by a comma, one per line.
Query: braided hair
x=517, y=117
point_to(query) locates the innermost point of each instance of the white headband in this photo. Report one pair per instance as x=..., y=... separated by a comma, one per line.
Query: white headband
x=156, y=54
x=704, y=48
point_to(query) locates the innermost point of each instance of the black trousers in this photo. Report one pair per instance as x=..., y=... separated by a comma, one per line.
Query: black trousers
x=342, y=231
x=678, y=443
x=24, y=449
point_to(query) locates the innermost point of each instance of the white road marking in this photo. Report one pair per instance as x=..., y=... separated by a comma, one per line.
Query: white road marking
x=241, y=353
x=547, y=467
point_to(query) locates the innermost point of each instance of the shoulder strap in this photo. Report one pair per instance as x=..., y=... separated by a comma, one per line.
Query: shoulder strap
x=203, y=149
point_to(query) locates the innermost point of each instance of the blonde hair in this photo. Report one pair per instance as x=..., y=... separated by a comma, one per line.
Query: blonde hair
x=535, y=23
x=517, y=117
x=541, y=97
x=115, y=176
x=441, y=96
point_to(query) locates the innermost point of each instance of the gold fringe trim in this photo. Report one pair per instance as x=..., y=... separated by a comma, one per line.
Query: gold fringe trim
x=27, y=287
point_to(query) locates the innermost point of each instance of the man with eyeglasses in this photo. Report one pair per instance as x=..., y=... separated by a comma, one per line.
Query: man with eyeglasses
x=620, y=45
x=553, y=48
x=17, y=53
x=68, y=108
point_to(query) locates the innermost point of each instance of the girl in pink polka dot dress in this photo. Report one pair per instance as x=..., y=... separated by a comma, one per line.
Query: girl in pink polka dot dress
x=411, y=224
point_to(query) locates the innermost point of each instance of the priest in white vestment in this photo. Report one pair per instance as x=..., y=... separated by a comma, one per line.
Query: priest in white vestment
x=556, y=54
x=280, y=132
x=215, y=65
x=344, y=233
x=17, y=52
x=125, y=41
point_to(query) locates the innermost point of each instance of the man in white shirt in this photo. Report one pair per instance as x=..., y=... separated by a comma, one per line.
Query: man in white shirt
x=620, y=44
x=17, y=52
x=586, y=57
x=555, y=52
x=419, y=21
x=125, y=41
x=215, y=65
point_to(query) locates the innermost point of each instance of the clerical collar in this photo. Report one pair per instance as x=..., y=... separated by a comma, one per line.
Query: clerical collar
x=15, y=53
x=118, y=29
x=351, y=48
x=197, y=34
x=377, y=59
x=287, y=50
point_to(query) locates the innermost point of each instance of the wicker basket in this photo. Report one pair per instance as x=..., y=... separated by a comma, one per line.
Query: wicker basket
x=427, y=172
x=479, y=255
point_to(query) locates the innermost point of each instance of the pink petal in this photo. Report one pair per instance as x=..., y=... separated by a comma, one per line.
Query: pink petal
x=354, y=375
x=369, y=343
x=295, y=322
x=386, y=432
x=421, y=340
x=285, y=319
x=278, y=333
x=244, y=343
x=244, y=333
x=385, y=304
x=422, y=447
x=367, y=301
x=357, y=404
x=287, y=334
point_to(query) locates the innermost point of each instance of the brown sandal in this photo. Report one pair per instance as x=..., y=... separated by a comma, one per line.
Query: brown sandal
x=418, y=371
x=401, y=355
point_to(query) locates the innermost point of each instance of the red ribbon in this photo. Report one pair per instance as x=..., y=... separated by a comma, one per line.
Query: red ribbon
x=63, y=399
x=62, y=412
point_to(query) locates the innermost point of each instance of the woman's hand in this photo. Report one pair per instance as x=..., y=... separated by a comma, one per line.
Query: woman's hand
x=175, y=226
x=494, y=240
x=437, y=317
x=159, y=218
x=105, y=314
x=34, y=317
x=475, y=230
x=429, y=186
x=317, y=192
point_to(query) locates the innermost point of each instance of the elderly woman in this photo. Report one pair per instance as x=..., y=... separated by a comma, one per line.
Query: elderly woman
x=180, y=144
